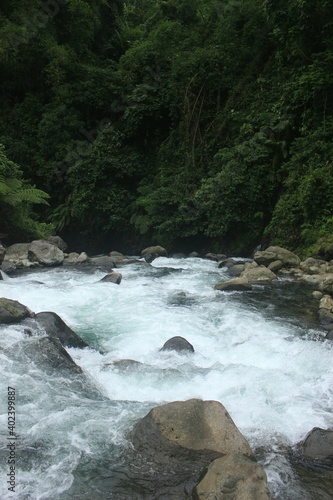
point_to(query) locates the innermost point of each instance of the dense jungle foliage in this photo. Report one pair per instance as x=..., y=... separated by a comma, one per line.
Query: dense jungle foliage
x=179, y=122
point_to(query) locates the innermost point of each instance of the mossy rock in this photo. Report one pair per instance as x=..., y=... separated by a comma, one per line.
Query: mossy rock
x=12, y=311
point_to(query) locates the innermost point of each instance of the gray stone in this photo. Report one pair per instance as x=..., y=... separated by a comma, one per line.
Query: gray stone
x=325, y=316
x=116, y=254
x=45, y=253
x=178, y=344
x=156, y=251
x=48, y=355
x=233, y=477
x=235, y=285
x=55, y=327
x=274, y=253
x=260, y=274
x=194, y=255
x=194, y=425
x=103, y=260
x=112, y=277
x=275, y=266
x=326, y=302
x=58, y=242
x=313, y=266
x=17, y=252
x=236, y=270
x=12, y=311
x=317, y=294
x=318, y=445
x=227, y=263
x=326, y=285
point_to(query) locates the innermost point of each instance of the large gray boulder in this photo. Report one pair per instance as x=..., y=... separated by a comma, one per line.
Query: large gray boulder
x=56, y=328
x=317, y=447
x=235, y=285
x=17, y=252
x=48, y=355
x=12, y=311
x=178, y=344
x=274, y=253
x=233, y=477
x=193, y=425
x=151, y=253
x=326, y=284
x=260, y=274
x=314, y=266
x=45, y=253
x=58, y=242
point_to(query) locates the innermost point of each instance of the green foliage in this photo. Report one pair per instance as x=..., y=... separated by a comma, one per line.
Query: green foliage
x=171, y=119
x=16, y=198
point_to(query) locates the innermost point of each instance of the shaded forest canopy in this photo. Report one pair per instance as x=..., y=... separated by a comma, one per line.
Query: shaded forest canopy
x=176, y=122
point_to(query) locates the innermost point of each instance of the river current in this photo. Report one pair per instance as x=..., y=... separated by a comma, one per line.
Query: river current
x=259, y=353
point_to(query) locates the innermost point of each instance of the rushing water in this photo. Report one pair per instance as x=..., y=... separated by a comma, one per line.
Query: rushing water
x=256, y=352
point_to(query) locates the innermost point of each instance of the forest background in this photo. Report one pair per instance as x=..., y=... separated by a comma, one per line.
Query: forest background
x=188, y=123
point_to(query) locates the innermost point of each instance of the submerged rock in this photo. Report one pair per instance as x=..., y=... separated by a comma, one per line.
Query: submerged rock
x=178, y=344
x=48, y=355
x=235, y=285
x=56, y=328
x=233, y=476
x=12, y=311
x=45, y=253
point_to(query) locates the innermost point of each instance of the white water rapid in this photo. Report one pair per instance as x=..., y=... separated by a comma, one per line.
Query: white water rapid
x=273, y=374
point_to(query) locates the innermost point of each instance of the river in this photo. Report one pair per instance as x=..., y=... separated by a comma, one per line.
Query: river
x=259, y=353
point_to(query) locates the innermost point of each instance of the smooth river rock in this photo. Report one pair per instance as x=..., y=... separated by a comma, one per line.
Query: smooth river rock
x=56, y=328
x=235, y=285
x=233, y=477
x=12, y=311
x=182, y=428
x=45, y=253
x=274, y=253
x=112, y=277
x=260, y=274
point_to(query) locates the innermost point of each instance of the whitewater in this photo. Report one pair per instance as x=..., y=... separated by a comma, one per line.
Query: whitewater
x=259, y=353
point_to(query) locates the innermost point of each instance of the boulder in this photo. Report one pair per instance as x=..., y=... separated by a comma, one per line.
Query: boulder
x=313, y=266
x=103, y=260
x=58, y=242
x=235, y=285
x=317, y=295
x=48, y=355
x=112, y=277
x=325, y=317
x=260, y=274
x=317, y=445
x=275, y=266
x=17, y=252
x=274, y=253
x=151, y=253
x=236, y=270
x=227, y=263
x=326, y=284
x=326, y=302
x=2, y=253
x=193, y=425
x=235, y=477
x=56, y=328
x=329, y=336
x=178, y=344
x=12, y=311
x=117, y=254
x=45, y=253
x=194, y=255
